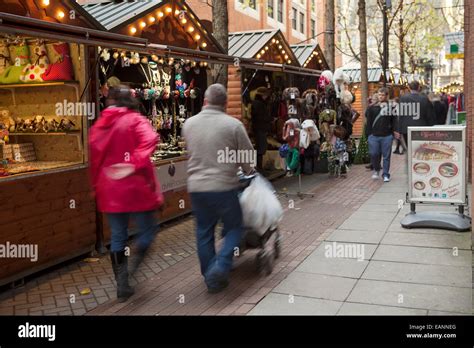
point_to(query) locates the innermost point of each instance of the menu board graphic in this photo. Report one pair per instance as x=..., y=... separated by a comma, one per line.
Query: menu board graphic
x=436, y=162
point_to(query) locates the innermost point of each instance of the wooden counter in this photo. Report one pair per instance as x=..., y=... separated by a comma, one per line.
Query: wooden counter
x=55, y=211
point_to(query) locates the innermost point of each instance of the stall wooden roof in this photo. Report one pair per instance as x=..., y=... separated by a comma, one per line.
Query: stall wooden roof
x=310, y=56
x=168, y=22
x=54, y=11
x=265, y=45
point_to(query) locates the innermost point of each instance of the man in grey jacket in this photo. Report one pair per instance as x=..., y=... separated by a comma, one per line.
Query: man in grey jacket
x=217, y=145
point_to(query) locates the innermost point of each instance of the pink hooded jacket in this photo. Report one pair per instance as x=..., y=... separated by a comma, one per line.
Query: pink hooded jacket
x=123, y=136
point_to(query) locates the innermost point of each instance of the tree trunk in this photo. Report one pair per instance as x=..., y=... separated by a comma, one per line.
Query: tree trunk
x=329, y=44
x=363, y=54
x=401, y=38
x=220, y=27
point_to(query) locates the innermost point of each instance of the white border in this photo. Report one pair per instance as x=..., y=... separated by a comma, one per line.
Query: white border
x=463, y=171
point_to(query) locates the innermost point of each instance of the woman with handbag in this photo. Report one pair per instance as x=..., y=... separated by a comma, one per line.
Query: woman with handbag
x=124, y=180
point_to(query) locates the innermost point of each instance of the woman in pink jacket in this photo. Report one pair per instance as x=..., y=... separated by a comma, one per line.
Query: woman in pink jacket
x=124, y=179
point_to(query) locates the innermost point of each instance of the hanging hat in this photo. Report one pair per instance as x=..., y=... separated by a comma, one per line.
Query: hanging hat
x=263, y=91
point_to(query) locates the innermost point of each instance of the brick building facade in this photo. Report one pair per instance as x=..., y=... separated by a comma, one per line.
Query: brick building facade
x=273, y=14
x=469, y=79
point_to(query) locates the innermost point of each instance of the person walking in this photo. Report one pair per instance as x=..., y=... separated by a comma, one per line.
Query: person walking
x=261, y=123
x=373, y=100
x=416, y=111
x=124, y=181
x=213, y=183
x=439, y=108
x=380, y=127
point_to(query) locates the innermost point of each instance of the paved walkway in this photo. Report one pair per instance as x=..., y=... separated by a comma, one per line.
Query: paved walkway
x=400, y=271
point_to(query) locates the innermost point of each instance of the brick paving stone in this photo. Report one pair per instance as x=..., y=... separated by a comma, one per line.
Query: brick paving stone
x=162, y=278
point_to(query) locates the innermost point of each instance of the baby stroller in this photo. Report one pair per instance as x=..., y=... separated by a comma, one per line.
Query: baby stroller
x=339, y=159
x=268, y=239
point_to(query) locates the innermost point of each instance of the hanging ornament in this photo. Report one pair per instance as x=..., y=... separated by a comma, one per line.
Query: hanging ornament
x=105, y=55
x=116, y=55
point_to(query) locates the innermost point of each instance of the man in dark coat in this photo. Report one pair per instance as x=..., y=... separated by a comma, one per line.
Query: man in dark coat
x=261, y=123
x=415, y=110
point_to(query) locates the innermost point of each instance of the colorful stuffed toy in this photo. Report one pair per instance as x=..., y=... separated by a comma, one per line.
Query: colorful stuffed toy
x=61, y=70
x=20, y=57
x=40, y=63
x=4, y=56
x=325, y=79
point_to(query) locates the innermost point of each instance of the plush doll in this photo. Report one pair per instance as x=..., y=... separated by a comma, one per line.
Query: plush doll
x=6, y=121
x=62, y=69
x=4, y=57
x=310, y=102
x=341, y=81
x=19, y=53
x=291, y=132
x=39, y=63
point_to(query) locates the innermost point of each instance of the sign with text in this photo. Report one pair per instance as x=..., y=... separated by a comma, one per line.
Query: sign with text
x=173, y=176
x=437, y=164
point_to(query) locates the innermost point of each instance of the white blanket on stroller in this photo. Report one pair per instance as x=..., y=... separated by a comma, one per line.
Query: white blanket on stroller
x=260, y=207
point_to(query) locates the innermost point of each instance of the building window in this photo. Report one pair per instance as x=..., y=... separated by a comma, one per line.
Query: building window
x=302, y=22
x=249, y=3
x=313, y=6
x=280, y=11
x=294, y=18
x=270, y=9
x=313, y=28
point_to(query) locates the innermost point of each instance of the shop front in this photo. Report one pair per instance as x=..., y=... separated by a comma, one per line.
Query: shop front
x=47, y=210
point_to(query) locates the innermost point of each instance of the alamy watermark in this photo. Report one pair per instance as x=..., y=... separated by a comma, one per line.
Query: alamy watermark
x=404, y=109
x=84, y=109
x=345, y=251
x=28, y=330
x=237, y=157
x=19, y=251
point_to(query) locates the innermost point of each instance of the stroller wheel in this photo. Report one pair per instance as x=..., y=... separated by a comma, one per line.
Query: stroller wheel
x=260, y=261
x=277, y=247
x=268, y=264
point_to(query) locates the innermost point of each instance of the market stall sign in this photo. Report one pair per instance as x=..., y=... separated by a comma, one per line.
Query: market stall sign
x=173, y=176
x=437, y=164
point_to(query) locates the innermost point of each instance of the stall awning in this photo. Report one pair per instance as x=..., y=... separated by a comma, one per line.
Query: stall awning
x=54, y=11
x=170, y=23
x=310, y=56
x=111, y=15
x=375, y=75
x=263, y=45
x=20, y=25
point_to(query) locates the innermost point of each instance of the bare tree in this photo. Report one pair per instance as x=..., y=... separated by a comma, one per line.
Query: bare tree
x=220, y=27
x=329, y=44
x=364, y=65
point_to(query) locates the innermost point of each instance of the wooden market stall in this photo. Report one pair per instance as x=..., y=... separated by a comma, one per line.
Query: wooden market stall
x=395, y=83
x=309, y=57
x=169, y=77
x=47, y=211
x=270, y=62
